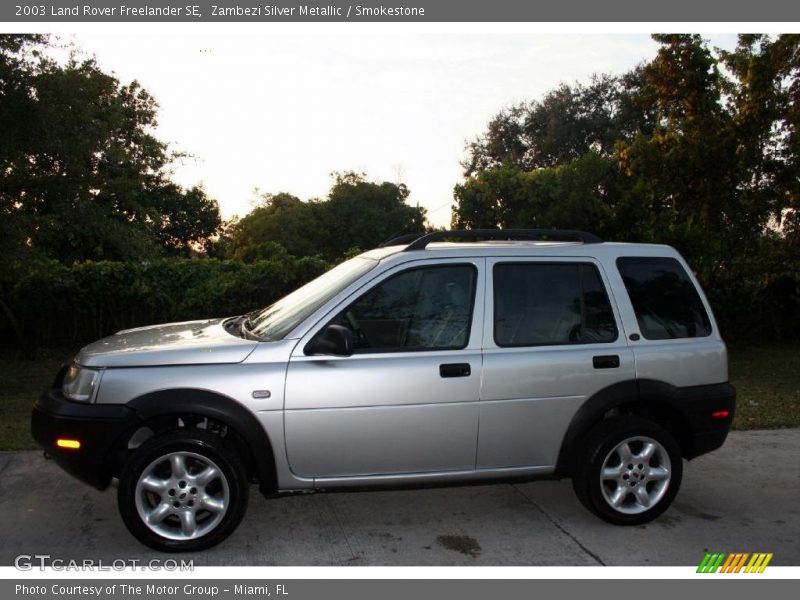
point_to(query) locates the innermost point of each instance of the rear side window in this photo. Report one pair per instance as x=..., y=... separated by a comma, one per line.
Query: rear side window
x=665, y=300
x=540, y=304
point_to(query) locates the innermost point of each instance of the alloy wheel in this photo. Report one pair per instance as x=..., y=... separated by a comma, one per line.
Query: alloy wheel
x=182, y=496
x=635, y=475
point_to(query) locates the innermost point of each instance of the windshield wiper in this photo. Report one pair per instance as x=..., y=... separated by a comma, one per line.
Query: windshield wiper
x=247, y=324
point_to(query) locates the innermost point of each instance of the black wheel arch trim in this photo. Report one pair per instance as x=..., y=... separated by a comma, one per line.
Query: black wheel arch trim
x=693, y=404
x=213, y=405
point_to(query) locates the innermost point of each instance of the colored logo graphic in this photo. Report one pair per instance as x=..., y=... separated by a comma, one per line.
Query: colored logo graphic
x=735, y=563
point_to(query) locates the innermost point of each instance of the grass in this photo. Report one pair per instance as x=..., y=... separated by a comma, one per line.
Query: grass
x=767, y=378
x=21, y=383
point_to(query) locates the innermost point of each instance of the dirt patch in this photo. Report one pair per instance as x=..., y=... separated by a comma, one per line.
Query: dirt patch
x=460, y=543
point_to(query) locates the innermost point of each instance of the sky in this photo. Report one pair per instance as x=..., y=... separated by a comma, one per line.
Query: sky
x=281, y=112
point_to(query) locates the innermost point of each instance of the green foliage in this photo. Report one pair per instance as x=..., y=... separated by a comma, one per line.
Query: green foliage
x=679, y=151
x=363, y=214
x=280, y=223
x=356, y=213
x=88, y=210
x=81, y=175
x=579, y=194
x=68, y=304
x=567, y=123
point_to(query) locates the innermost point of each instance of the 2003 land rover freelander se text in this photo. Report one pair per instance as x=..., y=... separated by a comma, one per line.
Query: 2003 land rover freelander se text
x=509, y=353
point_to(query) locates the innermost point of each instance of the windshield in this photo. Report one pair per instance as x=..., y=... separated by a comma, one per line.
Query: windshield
x=278, y=319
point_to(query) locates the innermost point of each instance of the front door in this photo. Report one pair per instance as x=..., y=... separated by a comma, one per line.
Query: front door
x=406, y=401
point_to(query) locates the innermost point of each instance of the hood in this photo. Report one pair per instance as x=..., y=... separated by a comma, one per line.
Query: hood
x=187, y=343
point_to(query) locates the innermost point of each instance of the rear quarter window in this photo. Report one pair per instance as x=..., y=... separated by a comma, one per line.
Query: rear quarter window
x=665, y=300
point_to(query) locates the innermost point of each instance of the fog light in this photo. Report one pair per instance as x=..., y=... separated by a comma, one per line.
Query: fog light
x=71, y=444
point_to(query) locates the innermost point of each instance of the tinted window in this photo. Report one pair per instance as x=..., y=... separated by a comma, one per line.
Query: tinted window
x=550, y=303
x=428, y=308
x=666, y=302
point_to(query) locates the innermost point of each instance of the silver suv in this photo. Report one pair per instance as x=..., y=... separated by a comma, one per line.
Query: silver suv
x=510, y=354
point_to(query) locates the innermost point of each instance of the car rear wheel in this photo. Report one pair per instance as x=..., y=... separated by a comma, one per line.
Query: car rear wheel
x=183, y=491
x=628, y=470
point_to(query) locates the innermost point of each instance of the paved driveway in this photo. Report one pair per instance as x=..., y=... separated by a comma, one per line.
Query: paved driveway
x=744, y=497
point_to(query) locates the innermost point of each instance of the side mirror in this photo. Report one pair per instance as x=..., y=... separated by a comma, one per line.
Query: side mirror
x=334, y=340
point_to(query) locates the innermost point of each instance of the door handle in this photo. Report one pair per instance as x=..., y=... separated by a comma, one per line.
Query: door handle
x=609, y=361
x=455, y=370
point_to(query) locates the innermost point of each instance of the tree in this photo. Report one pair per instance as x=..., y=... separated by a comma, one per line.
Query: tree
x=362, y=214
x=82, y=175
x=684, y=171
x=772, y=76
x=189, y=219
x=698, y=159
x=16, y=114
x=565, y=125
x=356, y=214
x=580, y=194
x=280, y=223
x=705, y=156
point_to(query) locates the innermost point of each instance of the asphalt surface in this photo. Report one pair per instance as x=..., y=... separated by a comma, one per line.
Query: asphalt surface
x=744, y=497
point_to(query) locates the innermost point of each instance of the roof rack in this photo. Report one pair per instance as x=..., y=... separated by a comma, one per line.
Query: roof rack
x=555, y=235
x=400, y=240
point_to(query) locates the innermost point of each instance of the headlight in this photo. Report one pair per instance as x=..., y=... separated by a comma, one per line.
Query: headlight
x=79, y=383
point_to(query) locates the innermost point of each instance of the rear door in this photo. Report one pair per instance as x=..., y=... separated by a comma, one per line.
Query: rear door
x=678, y=341
x=552, y=339
x=407, y=400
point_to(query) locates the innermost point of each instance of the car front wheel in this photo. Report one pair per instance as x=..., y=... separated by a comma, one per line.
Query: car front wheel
x=183, y=491
x=628, y=470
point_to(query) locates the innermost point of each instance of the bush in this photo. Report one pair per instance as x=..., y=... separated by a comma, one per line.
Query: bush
x=60, y=305
x=56, y=304
x=758, y=311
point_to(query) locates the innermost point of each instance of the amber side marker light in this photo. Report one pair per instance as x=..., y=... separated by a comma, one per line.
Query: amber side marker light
x=720, y=414
x=71, y=444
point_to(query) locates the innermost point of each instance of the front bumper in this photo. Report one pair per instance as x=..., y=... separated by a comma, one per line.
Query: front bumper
x=98, y=427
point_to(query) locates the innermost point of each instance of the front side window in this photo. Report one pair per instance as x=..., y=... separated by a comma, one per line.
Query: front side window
x=539, y=304
x=427, y=308
x=665, y=301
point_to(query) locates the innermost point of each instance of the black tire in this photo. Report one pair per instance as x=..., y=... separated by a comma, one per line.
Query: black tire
x=209, y=447
x=598, y=444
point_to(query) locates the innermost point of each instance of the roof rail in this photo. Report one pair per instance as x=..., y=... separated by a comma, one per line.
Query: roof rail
x=400, y=240
x=560, y=235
